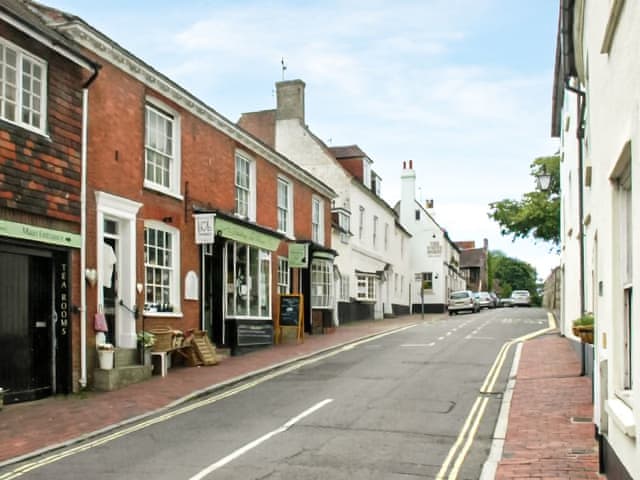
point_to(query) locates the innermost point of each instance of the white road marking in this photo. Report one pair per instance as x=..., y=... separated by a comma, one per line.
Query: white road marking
x=251, y=445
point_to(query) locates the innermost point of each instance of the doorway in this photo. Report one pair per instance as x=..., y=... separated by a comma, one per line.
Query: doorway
x=27, y=325
x=110, y=255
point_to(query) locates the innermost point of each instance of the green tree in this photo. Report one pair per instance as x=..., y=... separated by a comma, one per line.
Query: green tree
x=512, y=274
x=537, y=214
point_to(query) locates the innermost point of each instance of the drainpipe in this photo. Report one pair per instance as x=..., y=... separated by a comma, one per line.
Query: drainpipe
x=83, y=229
x=580, y=136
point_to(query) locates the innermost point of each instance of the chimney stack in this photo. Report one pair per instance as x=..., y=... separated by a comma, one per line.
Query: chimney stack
x=290, y=100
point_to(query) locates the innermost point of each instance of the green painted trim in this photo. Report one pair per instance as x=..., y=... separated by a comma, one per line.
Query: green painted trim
x=246, y=235
x=39, y=234
x=298, y=255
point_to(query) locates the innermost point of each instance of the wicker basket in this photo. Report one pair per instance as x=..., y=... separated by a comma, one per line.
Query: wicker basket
x=164, y=339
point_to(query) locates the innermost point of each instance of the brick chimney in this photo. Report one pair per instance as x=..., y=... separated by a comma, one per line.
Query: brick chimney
x=290, y=98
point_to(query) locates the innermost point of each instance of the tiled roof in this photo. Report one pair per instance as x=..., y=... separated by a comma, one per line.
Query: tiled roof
x=348, y=151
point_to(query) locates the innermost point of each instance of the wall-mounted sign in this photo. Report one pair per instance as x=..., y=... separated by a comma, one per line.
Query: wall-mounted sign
x=434, y=249
x=298, y=255
x=205, y=228
x=39, y=234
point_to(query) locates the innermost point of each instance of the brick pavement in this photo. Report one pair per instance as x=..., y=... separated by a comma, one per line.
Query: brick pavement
x=542, y=441
x=550, y=434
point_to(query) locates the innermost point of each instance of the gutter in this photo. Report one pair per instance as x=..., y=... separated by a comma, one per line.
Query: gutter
x=83, y=228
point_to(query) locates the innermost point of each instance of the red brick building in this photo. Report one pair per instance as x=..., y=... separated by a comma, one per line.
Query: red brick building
x=161, y=164
x=42, y=80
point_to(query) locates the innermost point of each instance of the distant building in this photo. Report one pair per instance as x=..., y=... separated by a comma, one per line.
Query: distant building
x=473, y=265
x=372, y=274
x=434, y=258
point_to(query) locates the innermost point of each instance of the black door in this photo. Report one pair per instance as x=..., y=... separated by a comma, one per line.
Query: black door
x=26, y=306
x=213, y=293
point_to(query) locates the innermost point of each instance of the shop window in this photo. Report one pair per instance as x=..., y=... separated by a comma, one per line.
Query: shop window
x=23, y=80
x=161, y=262
x=248, y=286
x=321, y=284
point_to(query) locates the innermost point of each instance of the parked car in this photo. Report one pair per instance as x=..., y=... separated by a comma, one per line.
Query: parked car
x=521, y=298
x=484, y=299
x=506, y=302
x=463, y=300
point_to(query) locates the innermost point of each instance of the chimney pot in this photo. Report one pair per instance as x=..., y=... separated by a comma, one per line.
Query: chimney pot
x=410, y=164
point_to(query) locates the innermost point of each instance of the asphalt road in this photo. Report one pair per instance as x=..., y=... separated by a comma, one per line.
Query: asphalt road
x=419, y=403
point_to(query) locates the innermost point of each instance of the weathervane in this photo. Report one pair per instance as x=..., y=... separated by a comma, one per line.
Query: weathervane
x=284, y=67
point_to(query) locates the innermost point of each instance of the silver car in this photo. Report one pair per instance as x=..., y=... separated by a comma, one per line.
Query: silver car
x=463, y=300
x=520, y=298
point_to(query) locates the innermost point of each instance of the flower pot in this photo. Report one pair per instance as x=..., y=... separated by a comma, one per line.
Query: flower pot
x=585, y=332
x=105, y=359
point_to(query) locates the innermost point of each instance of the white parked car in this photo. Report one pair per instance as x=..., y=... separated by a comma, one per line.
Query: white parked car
x=463, y=300
x=520, y=298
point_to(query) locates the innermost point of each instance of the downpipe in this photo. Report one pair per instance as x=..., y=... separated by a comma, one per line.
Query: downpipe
x=580, y=136
x=83, y=230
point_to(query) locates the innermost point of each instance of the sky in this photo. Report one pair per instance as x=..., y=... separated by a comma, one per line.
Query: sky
x=461, y=87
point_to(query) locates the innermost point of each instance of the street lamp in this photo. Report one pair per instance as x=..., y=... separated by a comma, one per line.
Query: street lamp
x=543, y=179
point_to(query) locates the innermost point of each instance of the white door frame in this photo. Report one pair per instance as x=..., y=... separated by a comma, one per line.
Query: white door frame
x=124, y=211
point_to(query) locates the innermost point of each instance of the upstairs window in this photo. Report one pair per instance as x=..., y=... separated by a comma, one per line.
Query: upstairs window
x=285, y=206
x=375, y=231
x=162, y=168
x=361, y=226
x=245, y=187
x=317, y=221
x=23, y=80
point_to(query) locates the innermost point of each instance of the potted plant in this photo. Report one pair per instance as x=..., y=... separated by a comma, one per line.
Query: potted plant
x=146, y=340
x=583, y=328
x=105, y=355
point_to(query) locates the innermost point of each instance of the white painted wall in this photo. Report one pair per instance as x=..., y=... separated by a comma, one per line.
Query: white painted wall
x=612, y=83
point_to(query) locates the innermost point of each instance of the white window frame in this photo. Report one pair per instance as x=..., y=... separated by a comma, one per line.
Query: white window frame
x=172, y=267
x=285, y=206
x=366, y=287
x=321, y=284
x=375, y=231
x=155, y=107
x=240, y=284
x=386, y=236
x=345, y=288
x=361, y=226
x=245, y=207
x=38, y=93
x=317, y=220
x=625, y=233
x=344, y=222
x=284, y=277
x=427, y=281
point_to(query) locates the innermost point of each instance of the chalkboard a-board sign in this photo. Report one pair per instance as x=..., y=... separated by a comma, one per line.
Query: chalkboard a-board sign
x=290, y=310
x=290, y=313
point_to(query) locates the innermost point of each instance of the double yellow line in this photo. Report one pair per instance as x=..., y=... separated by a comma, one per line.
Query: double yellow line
x=470, y=426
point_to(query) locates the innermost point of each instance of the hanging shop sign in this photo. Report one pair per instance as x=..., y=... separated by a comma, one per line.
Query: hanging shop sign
x=298, y=255
x=205, y=227
x=39, y=234
x=246, y=235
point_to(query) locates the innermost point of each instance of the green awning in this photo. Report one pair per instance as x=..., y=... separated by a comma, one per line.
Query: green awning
x=246, y=235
